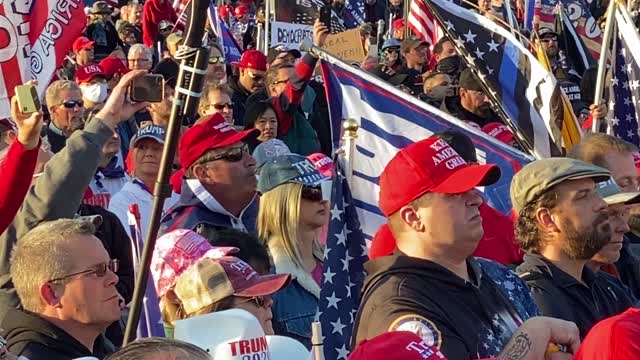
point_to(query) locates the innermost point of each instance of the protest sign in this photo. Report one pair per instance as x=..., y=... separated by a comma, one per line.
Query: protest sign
x=289, y=35
x=346, y=45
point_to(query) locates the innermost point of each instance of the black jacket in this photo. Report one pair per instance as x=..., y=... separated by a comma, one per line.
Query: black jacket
x=31, y=336
x=629, y=264
x=452, y=105
x=559, y=295
x=239, y=100
x=464, y=319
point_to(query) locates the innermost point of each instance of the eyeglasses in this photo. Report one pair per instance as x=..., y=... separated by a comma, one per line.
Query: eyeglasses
x=256, y=77
x=221, y=107
x=392, y=50
x=99, y=270
x=312, y=193
x=284, y=81
x=216, y=60
x=550, y=39
x=260, y=301
x=70, y=104
x=233, y=155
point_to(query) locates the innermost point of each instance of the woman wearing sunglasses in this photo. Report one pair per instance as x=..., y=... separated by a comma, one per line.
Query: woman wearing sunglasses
x=292, y=211
x=212, y=285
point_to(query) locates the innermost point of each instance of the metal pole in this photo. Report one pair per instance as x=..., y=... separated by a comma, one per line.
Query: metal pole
x=317, y=345
x=407, y=5
x=609, y=29
x=267, y=24
x=193, y=67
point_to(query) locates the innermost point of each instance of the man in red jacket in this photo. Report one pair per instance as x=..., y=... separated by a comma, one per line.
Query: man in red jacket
x=19, y=163
x=153, y=12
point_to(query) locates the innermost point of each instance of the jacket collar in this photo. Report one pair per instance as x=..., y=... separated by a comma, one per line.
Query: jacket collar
x=537, y=263
x=284, y=265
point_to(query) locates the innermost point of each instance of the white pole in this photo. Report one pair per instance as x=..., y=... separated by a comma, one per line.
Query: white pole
x=609, y=29
x=317, y=345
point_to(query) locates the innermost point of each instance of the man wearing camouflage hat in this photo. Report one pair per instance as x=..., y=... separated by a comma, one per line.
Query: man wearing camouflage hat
x=563, y=222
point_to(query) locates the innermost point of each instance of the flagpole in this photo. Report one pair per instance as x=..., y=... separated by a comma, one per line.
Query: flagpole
x=609, y=29
x=486, y=89
x=407, y=5
x=350, y=127
x=267, y=25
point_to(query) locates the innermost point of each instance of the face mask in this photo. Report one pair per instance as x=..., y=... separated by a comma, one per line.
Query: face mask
x=440, y=92
x=96, y=93
x=449, y=65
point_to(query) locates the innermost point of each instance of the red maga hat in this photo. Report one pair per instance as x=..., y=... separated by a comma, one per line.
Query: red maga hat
x=212, y=133
x=430, y=165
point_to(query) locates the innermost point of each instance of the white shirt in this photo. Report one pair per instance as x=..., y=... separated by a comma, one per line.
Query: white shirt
x=133, y=192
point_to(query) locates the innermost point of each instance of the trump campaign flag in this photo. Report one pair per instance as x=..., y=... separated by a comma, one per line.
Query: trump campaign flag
x=390, y=120
x=35, y=36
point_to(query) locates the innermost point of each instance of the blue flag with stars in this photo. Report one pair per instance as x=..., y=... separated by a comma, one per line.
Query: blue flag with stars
x=624, y=91
x=343, y=271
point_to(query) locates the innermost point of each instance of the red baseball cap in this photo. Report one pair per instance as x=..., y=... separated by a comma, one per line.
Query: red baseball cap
x=86, y=73
x=213, y=133
x=82, y=43
x=323, y=163
x=430, y=165
x=241, y=10
x=499, y=131
x=398, y=23
x=396, y=345
x=252, y=59
x=383, y=243
x=112, y=65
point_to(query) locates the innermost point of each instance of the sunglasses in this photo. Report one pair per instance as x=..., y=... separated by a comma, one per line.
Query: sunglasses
x=256, y=77
x=281, y=82
x=70, y=104
x=550, y=39
x=312, y=193
x=233, y=155
x=216, y=60
x=99, y=270
x=392, y=50
x=260, y=301
x=221, y=107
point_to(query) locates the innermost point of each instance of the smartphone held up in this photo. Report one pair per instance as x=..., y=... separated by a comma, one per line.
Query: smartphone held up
x=147, y=88
x=28, y=100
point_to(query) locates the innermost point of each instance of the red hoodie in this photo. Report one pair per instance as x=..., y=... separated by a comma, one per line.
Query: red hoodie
x=497, y=244
x=152, y=13
x=16, y=173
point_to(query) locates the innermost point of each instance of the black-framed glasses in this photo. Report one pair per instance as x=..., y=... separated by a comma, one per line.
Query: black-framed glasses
x=216, y=60
x=260, y=300
x=221, y=107
x=284, y=81
x=99, y=270
x=312, y=193
x=70, y=104
x=232, y=155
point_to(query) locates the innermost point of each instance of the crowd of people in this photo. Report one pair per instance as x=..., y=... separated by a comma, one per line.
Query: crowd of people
x=237, y=269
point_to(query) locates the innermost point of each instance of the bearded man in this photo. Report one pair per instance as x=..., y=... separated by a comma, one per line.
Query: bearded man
x=563, y=222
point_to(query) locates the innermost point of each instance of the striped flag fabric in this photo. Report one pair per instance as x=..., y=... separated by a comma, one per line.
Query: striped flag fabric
x=624, y=89
x=389, y=120
x=37, y=36
x=421, y=22
x=345, y=254
x=514, y=78
x=181, y=7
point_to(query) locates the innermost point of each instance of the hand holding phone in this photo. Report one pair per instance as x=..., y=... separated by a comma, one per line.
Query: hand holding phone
x=147, y=88
x=325, y=16
x=28, y=101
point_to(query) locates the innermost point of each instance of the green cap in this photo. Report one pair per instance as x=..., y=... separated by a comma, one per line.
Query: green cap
x=288, y=168
x=539, y=176
x=611, y=193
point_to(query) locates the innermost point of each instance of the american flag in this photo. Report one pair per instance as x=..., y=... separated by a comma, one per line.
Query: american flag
x=181, y=10
x=514, y=78
x=421, y=22
x=343, y=271
x=624, y=90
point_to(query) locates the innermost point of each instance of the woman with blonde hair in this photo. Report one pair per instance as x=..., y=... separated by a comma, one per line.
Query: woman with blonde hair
x=292, y=210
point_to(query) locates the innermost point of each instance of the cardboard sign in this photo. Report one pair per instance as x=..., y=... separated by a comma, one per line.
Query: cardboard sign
x=346, y=46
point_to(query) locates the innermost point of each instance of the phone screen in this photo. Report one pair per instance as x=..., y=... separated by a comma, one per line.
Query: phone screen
x=147, y=88
x=325, y=16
